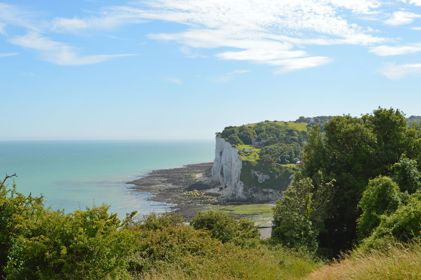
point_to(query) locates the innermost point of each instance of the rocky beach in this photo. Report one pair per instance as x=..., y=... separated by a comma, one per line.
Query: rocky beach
x=189, y=189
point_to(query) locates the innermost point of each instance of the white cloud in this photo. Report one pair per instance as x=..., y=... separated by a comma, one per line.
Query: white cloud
x=413, y=2
x=396, y=50
x=109, y=18
x=260, y=31
x=398, y=71
x=402, y=18
x=11, y=15
x=57, y=52
x=8, y=54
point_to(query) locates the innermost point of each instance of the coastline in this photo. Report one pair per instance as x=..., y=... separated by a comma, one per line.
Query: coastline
x=190, y=190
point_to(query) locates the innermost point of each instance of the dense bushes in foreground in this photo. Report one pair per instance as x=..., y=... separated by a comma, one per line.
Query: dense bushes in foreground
x=39, y=243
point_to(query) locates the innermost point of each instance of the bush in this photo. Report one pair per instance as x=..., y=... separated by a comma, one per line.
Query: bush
x=404, y=225
x=227, y=229
x=382, y=197
x=16, y=211
x=164, y=240
x=87, y=244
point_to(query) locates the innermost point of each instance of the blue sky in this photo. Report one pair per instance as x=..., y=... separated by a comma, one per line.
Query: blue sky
x=184, y=69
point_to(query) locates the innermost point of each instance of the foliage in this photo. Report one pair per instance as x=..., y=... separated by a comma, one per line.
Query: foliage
x=163, y=240
x=83, y=245
x=403, y=225
x=406, y=174
x=278, y=176
x=281, y=153
x=248, y=153
x=298, y=214
x=352, y=151
x=265, y=133
x=226, y=229
x=382, y=197
x=15, y=212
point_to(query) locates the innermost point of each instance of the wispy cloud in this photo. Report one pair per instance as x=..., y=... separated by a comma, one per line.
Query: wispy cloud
x=12, y=15
x=59, y=53
x=281, y=34
x=402, y=18
x=108, y=18
x=398, y=71
x=8, y=54
x=264, y=31
x=396, y=50
x=175, y=81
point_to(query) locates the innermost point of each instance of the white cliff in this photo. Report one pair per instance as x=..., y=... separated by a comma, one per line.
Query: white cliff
x=226, y=170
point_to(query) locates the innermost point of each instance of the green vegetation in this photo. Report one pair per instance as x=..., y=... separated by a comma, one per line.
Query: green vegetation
x=299, y=214
x=224, y=228
x=382, y=197
x=39, y=243
x=269, y=151
x=359, y=156
x=266, y=133
x=248, y=153
x=358, y=192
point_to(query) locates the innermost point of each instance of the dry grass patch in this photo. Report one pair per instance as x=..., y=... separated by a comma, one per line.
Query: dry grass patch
x=395, y=264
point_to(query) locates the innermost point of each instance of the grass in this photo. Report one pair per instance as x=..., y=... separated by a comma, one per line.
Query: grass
x=239, y=263
x=398, y=263
x=299, y=126
x=248, y=153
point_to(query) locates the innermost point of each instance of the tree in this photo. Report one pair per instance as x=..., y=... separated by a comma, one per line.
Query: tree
x=390, y=128
x=343, y=153
x=299, y=214
x=352, y=151
x=382, y=197
x=406, y=174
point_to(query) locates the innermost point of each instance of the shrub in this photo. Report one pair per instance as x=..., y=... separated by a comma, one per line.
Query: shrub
x=87, y=244
x=16, y=210
x=381, y=197
x=404, y=225
x=227, y=229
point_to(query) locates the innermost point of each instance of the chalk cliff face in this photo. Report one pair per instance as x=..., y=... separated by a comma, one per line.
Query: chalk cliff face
x=227, y=170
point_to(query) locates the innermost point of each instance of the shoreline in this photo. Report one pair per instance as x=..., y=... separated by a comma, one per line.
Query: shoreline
x=189, y=189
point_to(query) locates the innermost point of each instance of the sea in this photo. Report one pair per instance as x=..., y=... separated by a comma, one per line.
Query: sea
x=74, y=175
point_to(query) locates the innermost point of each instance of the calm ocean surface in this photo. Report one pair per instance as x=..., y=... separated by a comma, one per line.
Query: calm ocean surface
x=74, y=175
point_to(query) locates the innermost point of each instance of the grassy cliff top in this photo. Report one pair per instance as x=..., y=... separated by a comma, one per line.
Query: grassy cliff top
x=265, y=133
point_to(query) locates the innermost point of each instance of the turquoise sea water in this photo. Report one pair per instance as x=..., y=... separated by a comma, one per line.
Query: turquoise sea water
x=74, y=175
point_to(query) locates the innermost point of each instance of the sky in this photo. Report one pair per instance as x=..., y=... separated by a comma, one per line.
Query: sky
x=185, y=69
